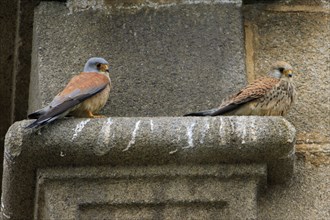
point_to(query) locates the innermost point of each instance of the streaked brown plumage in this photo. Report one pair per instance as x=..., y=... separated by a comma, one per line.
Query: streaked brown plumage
x=266, y=96
x=84, y=95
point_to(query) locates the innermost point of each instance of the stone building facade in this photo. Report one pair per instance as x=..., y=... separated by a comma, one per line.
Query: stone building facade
x=168, y=58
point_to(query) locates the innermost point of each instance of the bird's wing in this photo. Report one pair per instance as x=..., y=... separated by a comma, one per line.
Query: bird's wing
x=253, y=91
x=80, y=88
x=83, y=84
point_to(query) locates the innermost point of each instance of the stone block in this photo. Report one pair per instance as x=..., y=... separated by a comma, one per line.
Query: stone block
x=167, y=58
x=142, y=167
x=285, y=3
x=306, y=197
x=149, y=192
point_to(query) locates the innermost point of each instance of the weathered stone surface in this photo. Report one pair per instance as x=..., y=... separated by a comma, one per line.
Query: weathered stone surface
x=284, y=3
x=150, y=192
x=170, y=144
x=306, y=197
x=168, y=59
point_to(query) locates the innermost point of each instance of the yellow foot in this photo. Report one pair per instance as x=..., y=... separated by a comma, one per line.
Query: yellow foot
x=91, y=115
x=99, y=116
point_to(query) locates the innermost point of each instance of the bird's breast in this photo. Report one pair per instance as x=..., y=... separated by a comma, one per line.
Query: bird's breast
x=277, y=101
x=95, y=103
x=92, y=104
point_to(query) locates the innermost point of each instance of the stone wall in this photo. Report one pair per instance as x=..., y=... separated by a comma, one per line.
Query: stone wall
x=164, y=57
x=298, y=32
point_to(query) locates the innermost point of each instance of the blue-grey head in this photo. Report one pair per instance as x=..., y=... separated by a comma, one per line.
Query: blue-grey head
x=281, y=70
x=96, y=64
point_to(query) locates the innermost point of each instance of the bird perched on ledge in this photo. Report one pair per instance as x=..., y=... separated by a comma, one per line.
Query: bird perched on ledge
x=267, y=96
x=84, y=95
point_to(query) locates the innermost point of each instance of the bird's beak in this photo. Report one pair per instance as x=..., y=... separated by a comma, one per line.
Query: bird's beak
x=104, y=68
x=288, y=73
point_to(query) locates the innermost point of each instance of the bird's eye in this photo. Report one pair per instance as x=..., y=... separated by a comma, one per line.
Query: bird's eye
x=98, y=65
x=281, y=69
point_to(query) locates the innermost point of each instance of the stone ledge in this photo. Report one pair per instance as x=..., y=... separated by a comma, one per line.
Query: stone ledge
x=82, y=5
x=136, y=142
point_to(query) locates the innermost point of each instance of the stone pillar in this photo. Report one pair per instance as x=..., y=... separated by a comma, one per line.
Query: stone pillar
x=15, y=55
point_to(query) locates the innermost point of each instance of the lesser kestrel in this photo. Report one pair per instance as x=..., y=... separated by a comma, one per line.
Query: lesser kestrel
x=84, y=95
x=267, y=96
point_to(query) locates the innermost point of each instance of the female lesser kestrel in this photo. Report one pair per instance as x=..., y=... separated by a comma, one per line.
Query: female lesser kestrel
x=266, y=96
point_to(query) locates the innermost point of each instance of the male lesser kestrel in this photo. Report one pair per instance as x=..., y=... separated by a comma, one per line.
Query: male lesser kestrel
x=84, y=95
x=267, y=96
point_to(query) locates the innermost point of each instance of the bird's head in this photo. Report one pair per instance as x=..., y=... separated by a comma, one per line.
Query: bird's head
x=281, y=70
x=96, y=64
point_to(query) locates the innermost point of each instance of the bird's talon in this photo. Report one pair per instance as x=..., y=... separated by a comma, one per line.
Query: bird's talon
x=99, y=116
x=91, y=115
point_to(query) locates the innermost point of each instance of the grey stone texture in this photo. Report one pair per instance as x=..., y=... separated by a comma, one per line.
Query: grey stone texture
x=307, y=196
x=150, y=192
x=303, y=3
x=166, y=60
x=145, y=166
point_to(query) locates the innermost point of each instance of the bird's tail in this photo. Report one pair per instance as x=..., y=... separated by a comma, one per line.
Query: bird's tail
x=202, y=113
x=38, y=124
x=32, y=125
x=47, y=115
x=36, y=114
x=42, y=121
